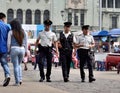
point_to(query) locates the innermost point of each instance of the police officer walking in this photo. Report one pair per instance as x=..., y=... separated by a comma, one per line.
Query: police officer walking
x=66, y=41
x=85, y=43
x=47, y=38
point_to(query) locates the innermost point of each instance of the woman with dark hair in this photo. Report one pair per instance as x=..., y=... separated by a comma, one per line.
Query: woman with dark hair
x=17, y=46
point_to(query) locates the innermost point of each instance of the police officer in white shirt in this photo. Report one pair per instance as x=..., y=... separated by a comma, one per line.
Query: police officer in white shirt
x=47, y=38
x=66, y=42
x=85, y=43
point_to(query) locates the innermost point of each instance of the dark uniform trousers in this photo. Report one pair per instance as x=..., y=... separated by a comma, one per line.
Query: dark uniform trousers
x=86, y=56
x=65, y=59
x=45, y=52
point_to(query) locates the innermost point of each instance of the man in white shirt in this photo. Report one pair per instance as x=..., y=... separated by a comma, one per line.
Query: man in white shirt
x=47, y=39
x=85, y=43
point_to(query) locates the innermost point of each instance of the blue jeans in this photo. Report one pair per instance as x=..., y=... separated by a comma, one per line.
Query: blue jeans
x=17, y=55
x=4, y=64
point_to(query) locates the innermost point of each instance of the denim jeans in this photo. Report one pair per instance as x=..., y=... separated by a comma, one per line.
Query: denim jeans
x=4, y=64
x=17, y=55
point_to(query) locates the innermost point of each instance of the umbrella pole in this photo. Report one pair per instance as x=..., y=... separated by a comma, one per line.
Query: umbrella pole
x=109, y=44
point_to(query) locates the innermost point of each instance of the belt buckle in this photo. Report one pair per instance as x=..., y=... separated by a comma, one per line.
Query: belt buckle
x=66, y=48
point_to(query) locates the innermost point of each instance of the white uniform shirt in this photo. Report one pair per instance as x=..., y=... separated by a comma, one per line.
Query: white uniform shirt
x=47, y=38
x=66, y=35
x=86, y=40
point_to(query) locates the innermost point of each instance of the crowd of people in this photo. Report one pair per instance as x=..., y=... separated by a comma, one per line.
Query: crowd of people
x=63, y=50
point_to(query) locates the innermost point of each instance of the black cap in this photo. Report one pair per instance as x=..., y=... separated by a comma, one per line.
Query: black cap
x=47, y=22
x=85, y=27
x=67, y=24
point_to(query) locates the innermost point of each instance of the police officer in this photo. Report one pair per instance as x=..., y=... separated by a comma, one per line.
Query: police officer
x=66, y=41
x=47, y=38
x=85, y=43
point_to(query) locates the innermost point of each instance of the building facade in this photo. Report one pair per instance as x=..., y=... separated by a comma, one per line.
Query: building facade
x=79, y=12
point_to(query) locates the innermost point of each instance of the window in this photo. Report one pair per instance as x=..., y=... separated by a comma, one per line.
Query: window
x=75, y=20
x=103, y=3
x=37, y=17
x=20, y=15
x=114, y=21
x=82, y=18
x=46, y=15
x=28, y=16
x=19, y=0
x=10, y=15
x=110, y=3
x=28, y=1
x=37, y=1
x=69, y=17
x=117, y=3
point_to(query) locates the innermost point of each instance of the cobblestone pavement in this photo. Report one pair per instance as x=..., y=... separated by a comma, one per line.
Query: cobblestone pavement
x=106, y=82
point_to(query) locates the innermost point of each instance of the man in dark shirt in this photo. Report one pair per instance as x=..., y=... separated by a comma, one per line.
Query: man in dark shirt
x=66, y=41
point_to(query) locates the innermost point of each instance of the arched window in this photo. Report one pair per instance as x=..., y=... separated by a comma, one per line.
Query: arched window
x=28, y=16
x=37, y=17
x=20, y=15
x=10, y=15
x=46, y=15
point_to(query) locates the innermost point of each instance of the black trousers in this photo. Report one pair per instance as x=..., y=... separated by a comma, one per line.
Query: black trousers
x=45, y=55
x=65, y=59
x=86, y=57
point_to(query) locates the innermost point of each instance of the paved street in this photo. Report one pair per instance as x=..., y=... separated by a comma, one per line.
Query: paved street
x=107, y=82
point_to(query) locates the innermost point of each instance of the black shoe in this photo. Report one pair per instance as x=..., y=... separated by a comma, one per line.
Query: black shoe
x=66, y=80
x=42, y=79
x=92, y=79
x=118, y=71
x=82, y=80
x=6, y=81
x=20, y=82
x=48, y=80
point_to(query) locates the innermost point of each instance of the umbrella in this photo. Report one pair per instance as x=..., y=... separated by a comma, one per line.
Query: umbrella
x=103, y=33
x=100, y=33
x=114, y=32
x=95, y=33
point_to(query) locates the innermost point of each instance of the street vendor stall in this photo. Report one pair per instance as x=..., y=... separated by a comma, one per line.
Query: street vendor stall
x=112, y=60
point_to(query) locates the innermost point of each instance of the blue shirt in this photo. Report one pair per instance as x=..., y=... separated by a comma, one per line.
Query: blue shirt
x=4, y=29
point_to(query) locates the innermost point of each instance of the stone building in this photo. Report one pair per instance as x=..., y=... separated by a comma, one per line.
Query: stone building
x=79, y=12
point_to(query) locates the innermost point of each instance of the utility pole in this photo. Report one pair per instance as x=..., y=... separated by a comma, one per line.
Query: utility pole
x=100, y=15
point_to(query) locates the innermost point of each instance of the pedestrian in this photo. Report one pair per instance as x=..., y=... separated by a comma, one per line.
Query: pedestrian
x=47, y=38
x=74, y=59
x=25, y=60
x=66, y=42
x=36, y=60
x=17, y=46
x=85, y=43
x=4, y=29
x=55, y=58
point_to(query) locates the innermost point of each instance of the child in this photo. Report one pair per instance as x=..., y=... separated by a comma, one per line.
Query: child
x=37, y=59
x=74, y=59
x=25, y=60
x=55, y=57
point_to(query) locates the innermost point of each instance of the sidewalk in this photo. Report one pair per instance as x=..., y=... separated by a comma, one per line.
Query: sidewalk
x=29, y=85
x=106, y=82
